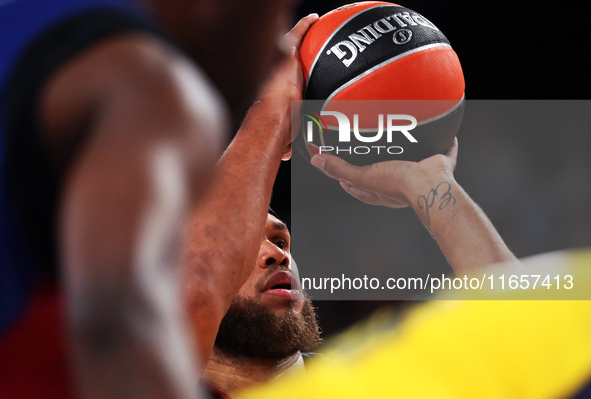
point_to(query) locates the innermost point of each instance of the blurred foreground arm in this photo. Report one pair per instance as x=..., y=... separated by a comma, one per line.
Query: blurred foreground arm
x=150, y=139
x=464, y=233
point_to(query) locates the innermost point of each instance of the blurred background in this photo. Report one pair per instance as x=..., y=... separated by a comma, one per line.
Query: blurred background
x=536, y=188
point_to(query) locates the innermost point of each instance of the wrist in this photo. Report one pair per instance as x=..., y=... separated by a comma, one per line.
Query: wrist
x=422, y=182
x=436, y=199
x=428, y=184
x=268, y=121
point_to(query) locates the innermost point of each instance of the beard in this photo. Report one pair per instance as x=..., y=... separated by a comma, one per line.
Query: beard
x=250, y=329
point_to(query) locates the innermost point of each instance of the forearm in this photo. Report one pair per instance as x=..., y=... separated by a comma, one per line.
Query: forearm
x=222, y=240
x=119, y=245
x=466, y=236
x=225, y=232
x=131, y=345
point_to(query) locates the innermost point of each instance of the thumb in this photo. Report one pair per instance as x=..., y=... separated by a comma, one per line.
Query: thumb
x=293, y=38
x=341, y=170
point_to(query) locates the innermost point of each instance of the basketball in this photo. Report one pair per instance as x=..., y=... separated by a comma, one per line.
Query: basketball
x=388, y=75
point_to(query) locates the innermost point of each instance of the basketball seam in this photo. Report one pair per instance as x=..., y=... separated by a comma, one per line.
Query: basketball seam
x=443, y=114
x=419, y=123
x=380, y=65
x=332, y=35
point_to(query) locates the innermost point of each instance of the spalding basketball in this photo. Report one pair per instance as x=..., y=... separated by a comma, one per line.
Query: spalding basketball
x=401, y=67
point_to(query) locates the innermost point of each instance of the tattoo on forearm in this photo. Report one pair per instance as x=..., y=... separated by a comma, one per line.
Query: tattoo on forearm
x=442, y=193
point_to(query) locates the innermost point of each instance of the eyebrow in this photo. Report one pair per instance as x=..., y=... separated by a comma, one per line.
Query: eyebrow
x=280, y=226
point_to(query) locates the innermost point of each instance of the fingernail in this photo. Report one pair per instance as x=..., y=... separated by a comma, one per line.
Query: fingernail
x=318, y=161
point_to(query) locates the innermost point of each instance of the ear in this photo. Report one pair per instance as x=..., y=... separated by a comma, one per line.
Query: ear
x=287, y=155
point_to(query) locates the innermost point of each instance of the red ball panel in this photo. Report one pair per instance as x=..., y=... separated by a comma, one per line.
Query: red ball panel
x=431, y=74
x=324, y=28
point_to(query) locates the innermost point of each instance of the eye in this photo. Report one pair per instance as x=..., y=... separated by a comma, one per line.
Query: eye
x=281, y=244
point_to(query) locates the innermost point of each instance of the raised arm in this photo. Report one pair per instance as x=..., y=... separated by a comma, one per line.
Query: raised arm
x=223, y=239
x=136, y=132
x=465, y=234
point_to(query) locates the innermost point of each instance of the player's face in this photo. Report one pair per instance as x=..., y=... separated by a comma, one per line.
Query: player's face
x=272, y=282
x=265, y=320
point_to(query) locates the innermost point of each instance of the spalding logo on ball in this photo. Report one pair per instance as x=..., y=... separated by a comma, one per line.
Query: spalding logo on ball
x=376, y=51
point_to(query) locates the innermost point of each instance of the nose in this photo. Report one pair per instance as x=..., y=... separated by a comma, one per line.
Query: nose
x=270, y=255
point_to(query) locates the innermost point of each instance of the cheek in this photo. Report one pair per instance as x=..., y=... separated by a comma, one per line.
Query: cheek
x=249, y=288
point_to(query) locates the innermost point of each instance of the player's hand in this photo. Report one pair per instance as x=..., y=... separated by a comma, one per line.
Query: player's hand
x=394, y=184
x=293, y=39
x=287, y=82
